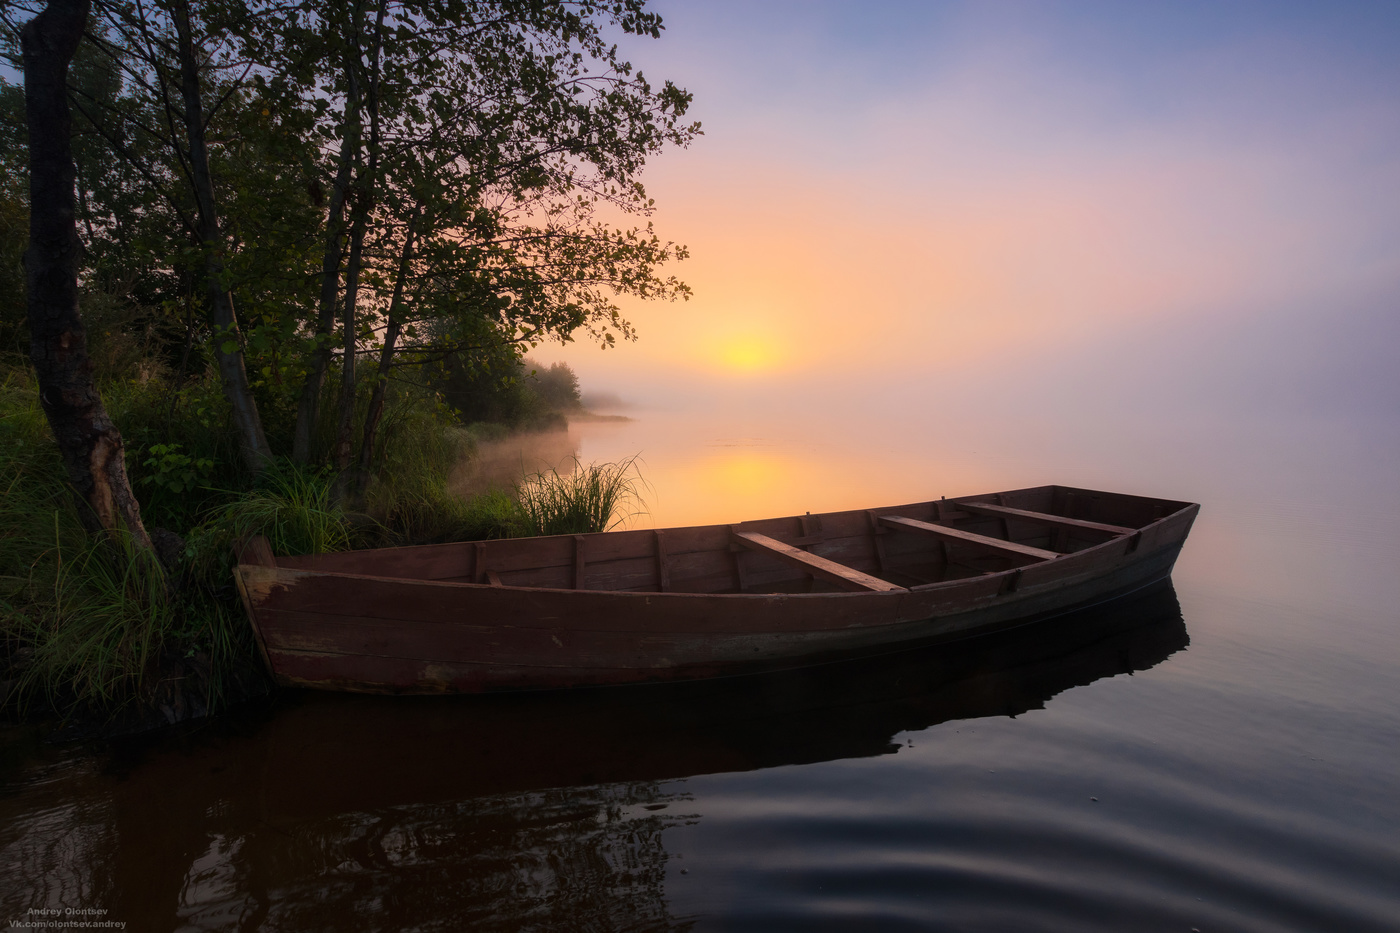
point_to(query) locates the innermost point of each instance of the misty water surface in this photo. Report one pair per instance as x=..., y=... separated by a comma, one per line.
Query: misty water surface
x=1218, y=756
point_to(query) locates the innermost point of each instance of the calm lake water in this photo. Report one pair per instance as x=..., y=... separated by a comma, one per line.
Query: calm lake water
x=1222, y=754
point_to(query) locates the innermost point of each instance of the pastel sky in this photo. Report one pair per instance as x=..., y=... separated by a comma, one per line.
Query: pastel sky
x=942, y=194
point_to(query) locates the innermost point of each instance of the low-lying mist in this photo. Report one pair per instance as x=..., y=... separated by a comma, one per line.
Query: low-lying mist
x=501, y=463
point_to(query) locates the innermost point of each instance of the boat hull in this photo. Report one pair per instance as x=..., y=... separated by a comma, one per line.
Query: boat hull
x=391, y=634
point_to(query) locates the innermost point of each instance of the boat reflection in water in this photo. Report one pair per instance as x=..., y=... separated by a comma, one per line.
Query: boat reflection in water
x=411, y=749
x=543, y=810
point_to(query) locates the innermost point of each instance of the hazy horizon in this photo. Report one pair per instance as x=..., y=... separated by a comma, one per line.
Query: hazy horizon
x=1167, y=209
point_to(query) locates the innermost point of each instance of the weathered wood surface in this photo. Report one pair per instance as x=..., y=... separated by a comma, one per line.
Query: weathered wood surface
x=663, y=605
x=967, y=537
x=841, y=575
x=256, y=550
x=1042, y=518
x=610, y=642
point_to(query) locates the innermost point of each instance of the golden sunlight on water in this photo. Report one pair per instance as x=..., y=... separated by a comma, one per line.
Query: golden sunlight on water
x=704, y=470
x=1254, y=535
x=732, y=482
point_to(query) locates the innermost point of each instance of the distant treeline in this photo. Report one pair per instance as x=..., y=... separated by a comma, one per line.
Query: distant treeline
x=528, y=397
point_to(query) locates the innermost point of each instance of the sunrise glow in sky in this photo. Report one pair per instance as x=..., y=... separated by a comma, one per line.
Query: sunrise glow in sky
x=889, y=192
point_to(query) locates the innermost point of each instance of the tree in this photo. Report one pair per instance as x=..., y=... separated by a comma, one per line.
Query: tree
x=227, y=343
x=91, y=446
x=499, y=136
x=412, y=179
x=162, y=133
x=558, y=386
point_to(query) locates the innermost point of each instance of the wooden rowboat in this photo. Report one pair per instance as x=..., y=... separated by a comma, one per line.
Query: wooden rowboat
x=708, y=601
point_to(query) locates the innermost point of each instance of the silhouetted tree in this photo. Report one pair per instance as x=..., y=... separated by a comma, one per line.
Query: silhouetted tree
x=91, y=446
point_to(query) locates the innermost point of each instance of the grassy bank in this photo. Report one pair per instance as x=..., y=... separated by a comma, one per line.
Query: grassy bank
x=90, y=629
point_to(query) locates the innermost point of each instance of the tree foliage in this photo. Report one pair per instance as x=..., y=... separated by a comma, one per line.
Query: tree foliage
x=405, y=183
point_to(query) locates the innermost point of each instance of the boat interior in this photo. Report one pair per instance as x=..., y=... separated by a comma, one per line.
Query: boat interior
x=870, y=550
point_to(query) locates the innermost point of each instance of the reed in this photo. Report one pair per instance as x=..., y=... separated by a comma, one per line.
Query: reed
x=596, y=497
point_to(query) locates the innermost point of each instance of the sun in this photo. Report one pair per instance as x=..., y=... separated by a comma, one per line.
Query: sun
x=748, y=354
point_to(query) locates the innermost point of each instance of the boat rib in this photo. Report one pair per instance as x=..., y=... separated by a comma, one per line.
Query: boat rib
x=967, y=537
x=1040, y=518
x=845, y=577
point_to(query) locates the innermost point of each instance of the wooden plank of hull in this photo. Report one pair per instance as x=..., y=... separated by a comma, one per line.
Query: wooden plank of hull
x=843, y=576
x=481, y=664
x=509, y=653
x=967, y=537
x=552, y=609
x=1042, y=518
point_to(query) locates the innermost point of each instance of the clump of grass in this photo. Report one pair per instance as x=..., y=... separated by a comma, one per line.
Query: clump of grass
x=596, y=497
x=84, y=618
x=106, y=617
x=291, y=506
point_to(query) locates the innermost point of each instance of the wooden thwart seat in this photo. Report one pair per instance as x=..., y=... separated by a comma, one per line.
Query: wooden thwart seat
x=1059, y=521
x=845, y=577
x=967, y=537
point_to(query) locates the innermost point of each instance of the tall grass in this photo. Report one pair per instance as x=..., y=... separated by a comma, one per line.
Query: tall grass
x=94, y=637
x=84, y=617
x=291, y=506
x=85, y=620
x=596, y=497
x=32, y=489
